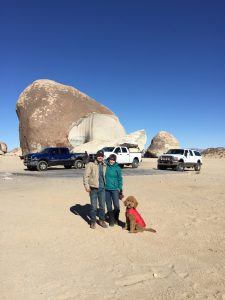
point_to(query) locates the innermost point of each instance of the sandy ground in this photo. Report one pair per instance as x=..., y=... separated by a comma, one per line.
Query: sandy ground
x=48, y=250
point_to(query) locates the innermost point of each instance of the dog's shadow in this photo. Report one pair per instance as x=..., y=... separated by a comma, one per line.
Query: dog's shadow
x=82, y=210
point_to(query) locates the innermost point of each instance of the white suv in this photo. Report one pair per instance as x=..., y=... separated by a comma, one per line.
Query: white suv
x=179, y=159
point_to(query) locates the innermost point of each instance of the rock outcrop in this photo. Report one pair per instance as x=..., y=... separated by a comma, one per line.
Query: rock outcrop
x=94, y=145
x=51, y=114
x=95, y=127
x=161, y=143
x=15, y=151
x=214, y=152
x=3, y=148
x=138, y=138
x=46, y=112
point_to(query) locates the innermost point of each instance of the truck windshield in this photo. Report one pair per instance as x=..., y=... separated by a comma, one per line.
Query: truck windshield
x=175, y=151
x=108, y=149
x=45, y=150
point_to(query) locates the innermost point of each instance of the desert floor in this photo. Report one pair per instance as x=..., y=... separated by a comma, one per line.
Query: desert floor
x=49, y=252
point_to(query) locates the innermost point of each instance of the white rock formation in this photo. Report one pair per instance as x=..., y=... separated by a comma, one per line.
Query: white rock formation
x=95, y=127
x=138, y=137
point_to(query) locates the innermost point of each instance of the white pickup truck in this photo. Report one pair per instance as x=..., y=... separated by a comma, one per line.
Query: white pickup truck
x=124, y=155
x=178, y=159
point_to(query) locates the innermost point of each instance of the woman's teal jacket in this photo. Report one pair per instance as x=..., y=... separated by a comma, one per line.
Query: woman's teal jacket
x=113, y=177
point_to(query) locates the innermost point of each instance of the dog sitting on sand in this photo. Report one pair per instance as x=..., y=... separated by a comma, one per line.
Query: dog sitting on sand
x=134, y=221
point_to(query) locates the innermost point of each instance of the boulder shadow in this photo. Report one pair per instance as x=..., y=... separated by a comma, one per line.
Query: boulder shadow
x=82, y=210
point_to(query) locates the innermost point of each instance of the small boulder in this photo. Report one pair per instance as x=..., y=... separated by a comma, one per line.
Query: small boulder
x=161, y=143
x=3, y=147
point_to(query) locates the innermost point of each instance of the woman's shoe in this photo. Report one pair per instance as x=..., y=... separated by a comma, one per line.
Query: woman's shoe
x=92, y=226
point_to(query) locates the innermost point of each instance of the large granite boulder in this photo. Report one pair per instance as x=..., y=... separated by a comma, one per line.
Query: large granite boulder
x=52, y=114
x=3, y=147
x=161, y=143
x=46, y=112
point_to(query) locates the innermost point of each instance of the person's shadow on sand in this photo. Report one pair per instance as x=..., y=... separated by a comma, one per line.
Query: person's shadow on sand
x=82, y=210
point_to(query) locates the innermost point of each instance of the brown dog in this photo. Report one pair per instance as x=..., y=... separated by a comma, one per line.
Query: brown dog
x=134, y=221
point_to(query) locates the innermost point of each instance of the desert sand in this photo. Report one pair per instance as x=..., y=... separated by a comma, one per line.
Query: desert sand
x=49, y=252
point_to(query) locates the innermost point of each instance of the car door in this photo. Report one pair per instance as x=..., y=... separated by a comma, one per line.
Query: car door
x=118, y=153
x=192, y=157
x=65, y=157
x=54, y=156
x=125, y=155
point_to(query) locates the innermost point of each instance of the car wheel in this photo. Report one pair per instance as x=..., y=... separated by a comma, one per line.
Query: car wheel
x=31, y=168
x=197, y=167
x=67, y=167
x=42, y=165
x=135, y=163
x=180, y=167
x=159, y=167
x=121, y=166
x=78, y=164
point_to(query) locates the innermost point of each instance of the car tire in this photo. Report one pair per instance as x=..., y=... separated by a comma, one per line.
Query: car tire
x=197, y=167
x=135, y=163
x=180, y=167
x=67, y=167
x=78, y=164
x=31, y=168
x=42, y=165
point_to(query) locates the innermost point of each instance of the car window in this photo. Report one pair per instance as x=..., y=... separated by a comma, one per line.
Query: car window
x=45, y=150
x=64, y=150
x=108, y=149
x=197, y=153
x=124, y=150
x=117, y=150
x=191, y=153
x=54, y=151
x=175, y=151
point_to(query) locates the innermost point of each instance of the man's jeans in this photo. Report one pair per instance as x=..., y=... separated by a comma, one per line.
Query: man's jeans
x=112, y=197
x=97, y=196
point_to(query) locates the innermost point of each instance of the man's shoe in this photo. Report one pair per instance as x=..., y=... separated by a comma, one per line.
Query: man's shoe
x=103, y=224
x=111, y=223
x=92, y=226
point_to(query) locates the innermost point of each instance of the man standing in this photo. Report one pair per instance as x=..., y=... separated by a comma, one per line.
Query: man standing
x=94, y=183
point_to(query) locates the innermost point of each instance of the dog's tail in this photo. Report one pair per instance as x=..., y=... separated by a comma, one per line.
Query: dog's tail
x=150, y=229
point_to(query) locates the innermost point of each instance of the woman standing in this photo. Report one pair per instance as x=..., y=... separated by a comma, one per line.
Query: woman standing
x=113, y=189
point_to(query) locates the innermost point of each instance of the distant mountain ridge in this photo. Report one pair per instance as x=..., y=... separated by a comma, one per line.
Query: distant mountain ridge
x=218, y=152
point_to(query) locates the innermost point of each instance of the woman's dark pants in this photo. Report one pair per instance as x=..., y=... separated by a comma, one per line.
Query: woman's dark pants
x=112, y=200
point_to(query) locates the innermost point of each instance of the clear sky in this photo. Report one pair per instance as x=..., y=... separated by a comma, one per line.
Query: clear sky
x=157, y=64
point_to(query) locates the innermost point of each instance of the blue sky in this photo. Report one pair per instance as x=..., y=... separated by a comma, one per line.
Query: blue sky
x=159, y=65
